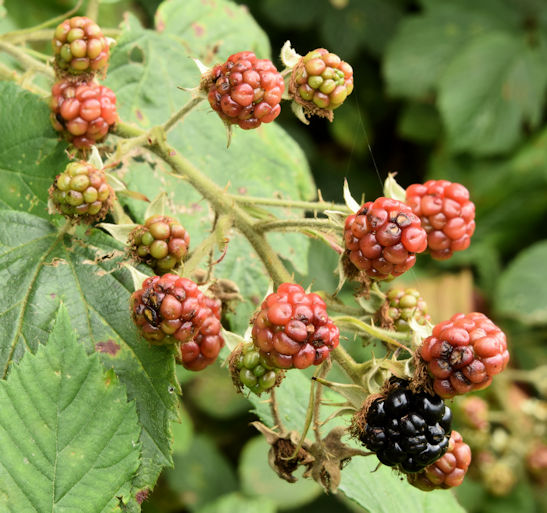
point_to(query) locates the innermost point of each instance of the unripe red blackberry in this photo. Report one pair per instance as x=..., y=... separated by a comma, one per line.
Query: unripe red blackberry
x=161, y=242
x=254, y=371
x=447, y=215
x=448, y=471
x=245, y=90
x=383, y=237
x=406, y=429
x=292, y=328
x=83, y=112
x=81, y=192
x=172, y=310
x=79, y=46
x=204, y=348
x=474, y=412
x=464, y=353
x=320, y=82
x=405, y=305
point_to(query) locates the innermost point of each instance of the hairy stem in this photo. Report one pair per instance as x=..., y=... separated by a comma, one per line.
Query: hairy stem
x=295, y=224
x=12, y=75
x=314, y=206
x=25, y=59
x=179, y=116
x=348, y=364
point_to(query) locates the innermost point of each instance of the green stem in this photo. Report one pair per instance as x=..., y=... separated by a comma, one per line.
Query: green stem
x=178, y=116
x=92, y=10
x=389, y=337
x=295, y=225
x=215, y=195
x=314, y=206
x=58, y=19
x=10, y=74
x=25, y=59
x=348, y=364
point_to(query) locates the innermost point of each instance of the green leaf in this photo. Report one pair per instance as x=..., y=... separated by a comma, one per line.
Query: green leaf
x=383, y=491
x=426, y=43
x=31, y=154
x=201, y=474
x=39, y=268
x=68, y=436
x=420, y=122
x=259, y=479
x=494, y=86
x=216, y=29
x=236, y=502
x=521, y=294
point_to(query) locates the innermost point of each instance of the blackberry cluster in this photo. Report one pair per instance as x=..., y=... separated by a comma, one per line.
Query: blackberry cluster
x=161, y=242
x=449, y=470
x=406, y=429
x=321, y=81
x=405, y=305
x=79, y=46
x=383, y=237
x=253, y=371
x=81, y=192
x=245, y=90
x=83, y=112
x=172, y=310
x=464, y=353
x=292, y=328
x=447, y=215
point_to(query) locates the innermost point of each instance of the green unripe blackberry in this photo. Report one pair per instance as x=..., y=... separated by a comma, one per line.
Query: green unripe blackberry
x=79, y=47
x=161, y=242
x=320, y=82
x=251, y=370
x=405, y=305
x=81, y=192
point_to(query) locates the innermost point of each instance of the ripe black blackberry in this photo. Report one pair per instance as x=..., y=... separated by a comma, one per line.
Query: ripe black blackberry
x=406, y=429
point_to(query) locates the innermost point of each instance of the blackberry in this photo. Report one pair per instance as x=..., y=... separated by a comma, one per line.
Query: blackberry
x=292, y=328
x=83, y=112
x=449, y=470
x=447, y=215
x=320, y=82
x=161, y=242
x=245, y=90
x=464, y=353
x=383, y=237
x=405, y=305
x=79, y=47
x=172, y=310
x=254, y=372
x=81, y=192
x=406, y=429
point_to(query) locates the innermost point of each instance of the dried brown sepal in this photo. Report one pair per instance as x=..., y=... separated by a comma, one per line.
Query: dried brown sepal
x=359, y=419
x=383, y=318
x=281, y=456
x=225, y=290
x=421, y=379
x=353, y=274
x=330, y=457
x=234, y=371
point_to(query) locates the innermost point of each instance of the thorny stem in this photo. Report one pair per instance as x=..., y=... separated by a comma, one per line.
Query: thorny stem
x=12, y=75
x=325, y=367
x=295, y=225
x=179, y=115
x=288, y=203
x=275, y=411
x=348, y=364
x=386, y=336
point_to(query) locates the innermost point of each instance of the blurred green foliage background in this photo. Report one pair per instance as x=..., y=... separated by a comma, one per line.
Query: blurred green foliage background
x=451, y=89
